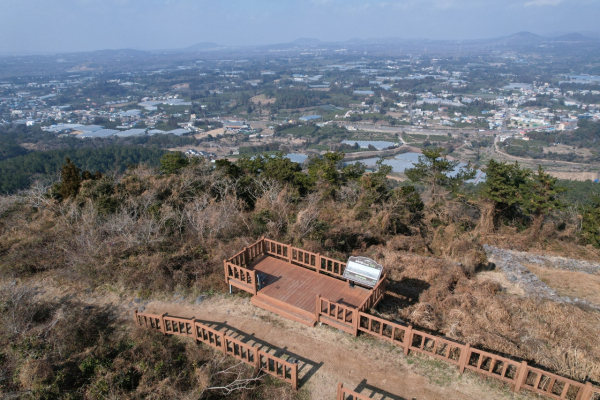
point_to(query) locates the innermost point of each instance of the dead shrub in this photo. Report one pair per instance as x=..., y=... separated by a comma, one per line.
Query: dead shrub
x=561, y=337
x=33, y=373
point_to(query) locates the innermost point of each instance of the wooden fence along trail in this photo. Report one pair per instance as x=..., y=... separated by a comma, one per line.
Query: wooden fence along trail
x=294, y=275
x=252, y=355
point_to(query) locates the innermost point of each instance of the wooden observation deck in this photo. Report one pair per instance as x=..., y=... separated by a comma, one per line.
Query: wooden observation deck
x=300, y=285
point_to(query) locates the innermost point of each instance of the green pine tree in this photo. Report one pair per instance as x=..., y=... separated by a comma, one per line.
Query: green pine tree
x=171, y=163
x=438, y=173
x=70, y=180
x=519, y=193
x=590, y=223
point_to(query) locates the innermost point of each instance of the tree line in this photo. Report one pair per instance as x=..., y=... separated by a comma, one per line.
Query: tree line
x=17, y=173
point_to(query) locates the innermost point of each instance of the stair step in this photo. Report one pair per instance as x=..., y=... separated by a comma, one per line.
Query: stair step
x=298, y=316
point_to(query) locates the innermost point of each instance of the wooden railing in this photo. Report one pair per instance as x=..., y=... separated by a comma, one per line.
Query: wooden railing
x=337, y=315
x=517, y=373
x=384, y=329
x=245, y=257
x=277, y=249
x=332, y=267
x=554, y=386
x=344, y=394
x=305, y=258
x=240, y=350
x=240, y=277
x=252, y=355
x=376, y=295
x=278, y=368
x=149, y=321
x=354, y=320
x=178, y=326
x=209, y=336
x=492, y=365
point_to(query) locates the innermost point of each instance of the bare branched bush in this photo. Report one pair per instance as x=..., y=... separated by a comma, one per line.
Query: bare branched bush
x=276, y=206
x=37, y=195
x=211, y=219
x=350, y=193
x=18, y=307
x=574, y=218
x=227, y=380
x=307, y=217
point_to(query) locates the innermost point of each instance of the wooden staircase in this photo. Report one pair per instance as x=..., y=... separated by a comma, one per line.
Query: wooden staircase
x=284, y=310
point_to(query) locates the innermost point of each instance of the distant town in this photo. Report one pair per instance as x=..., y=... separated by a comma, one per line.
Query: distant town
x=507, y=105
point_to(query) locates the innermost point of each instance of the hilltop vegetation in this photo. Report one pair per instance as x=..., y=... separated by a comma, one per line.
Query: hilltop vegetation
x=153, y=230
x=18, y=172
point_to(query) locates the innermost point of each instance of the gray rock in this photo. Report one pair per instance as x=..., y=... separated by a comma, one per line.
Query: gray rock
x=200, y=299
x=510, y=263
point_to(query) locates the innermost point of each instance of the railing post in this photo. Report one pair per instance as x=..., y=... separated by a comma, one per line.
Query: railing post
x=318, y=307
x=163, y=327
x=226, y=271
x=356, y=321
x=521, y=377
x=294, y=373
x=254, y=282
x=256, y=360
x=464, y=358
x=587, y=392
x=195, y=330
x=318, y=263
x=135, y=318
x=224, y=343
x=246, y=257
x=407, y=339
x=340, y=391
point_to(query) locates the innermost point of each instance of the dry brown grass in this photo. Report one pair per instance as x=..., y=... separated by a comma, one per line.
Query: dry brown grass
x=570, y=283
x=443, y=298
x=171, y=233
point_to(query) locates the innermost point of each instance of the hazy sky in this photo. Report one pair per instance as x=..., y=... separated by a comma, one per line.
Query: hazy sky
x=73, y=25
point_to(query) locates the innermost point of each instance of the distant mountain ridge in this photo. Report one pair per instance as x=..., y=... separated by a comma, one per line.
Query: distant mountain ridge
x=575, y=37
x=203, y=46
x=306, y=41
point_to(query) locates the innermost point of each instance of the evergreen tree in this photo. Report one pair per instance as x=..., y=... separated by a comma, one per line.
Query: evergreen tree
x=438, y=173
x=376, y=184
x=590, y=223
x=517, y=192
x=329, y=172
x=504, y=186
x=71, y=180
x=171, y=163
x=541, y=196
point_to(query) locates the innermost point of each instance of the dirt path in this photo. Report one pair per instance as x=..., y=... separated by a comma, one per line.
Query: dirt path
x=325, y=356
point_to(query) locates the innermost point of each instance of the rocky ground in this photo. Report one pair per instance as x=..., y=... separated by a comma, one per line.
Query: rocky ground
x=513, y=265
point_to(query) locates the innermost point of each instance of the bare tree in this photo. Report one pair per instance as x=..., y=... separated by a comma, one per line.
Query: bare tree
x=307, y=217
x=37, y=195
x=236, y=372
x=7, y=203
x=19, y=307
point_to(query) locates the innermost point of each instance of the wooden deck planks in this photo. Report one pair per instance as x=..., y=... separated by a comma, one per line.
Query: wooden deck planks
x=298, y=286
